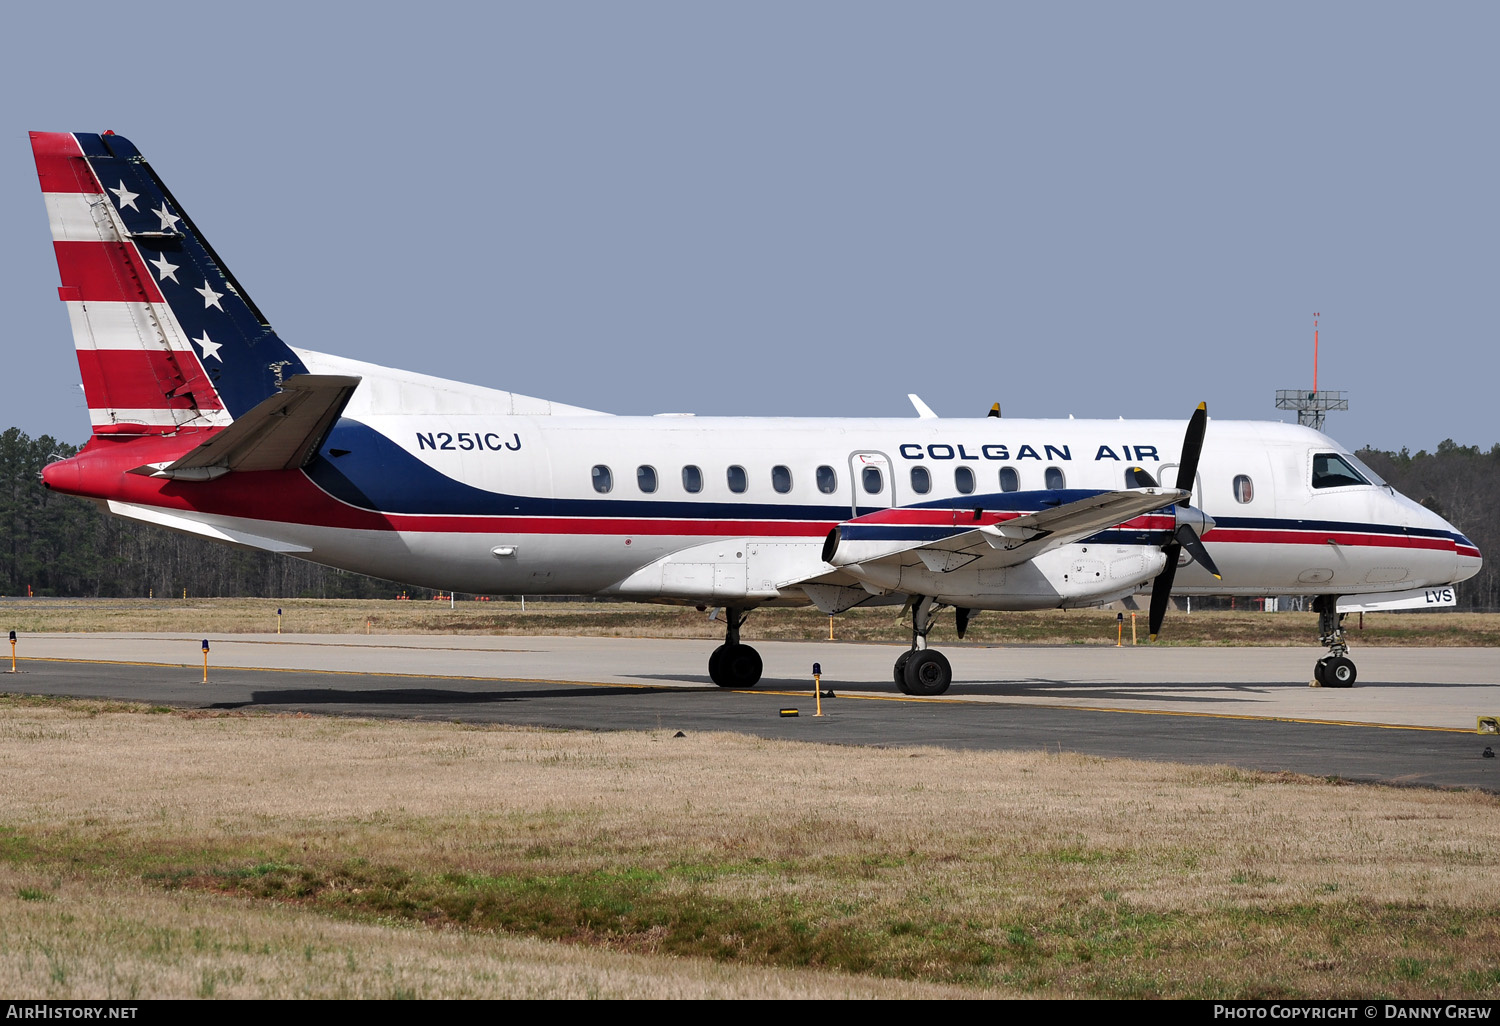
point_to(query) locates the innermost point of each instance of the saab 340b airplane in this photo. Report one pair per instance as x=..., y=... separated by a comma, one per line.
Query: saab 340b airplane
x=204, y=421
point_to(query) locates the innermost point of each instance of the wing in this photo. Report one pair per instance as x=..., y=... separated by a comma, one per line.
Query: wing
x=1003, y=529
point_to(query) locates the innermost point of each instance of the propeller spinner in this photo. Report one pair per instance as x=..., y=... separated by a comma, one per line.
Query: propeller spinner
x=1191, y=523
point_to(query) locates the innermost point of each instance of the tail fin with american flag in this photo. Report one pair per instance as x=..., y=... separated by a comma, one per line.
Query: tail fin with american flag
x=167, y=340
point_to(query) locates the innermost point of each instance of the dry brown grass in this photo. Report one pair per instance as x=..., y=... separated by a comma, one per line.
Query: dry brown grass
x=1050, y=874
x=599, y=619
x=99, y=935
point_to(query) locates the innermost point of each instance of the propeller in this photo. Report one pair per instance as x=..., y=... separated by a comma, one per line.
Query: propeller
x=1191, y=523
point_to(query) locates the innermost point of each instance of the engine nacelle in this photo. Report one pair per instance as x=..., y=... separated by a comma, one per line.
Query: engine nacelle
x=1071, y=575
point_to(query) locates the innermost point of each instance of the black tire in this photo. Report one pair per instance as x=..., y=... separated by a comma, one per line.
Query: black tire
x=735, y=666
x=1340, y=673
x=900, y=674
x=928, y=673
x=1320, y=671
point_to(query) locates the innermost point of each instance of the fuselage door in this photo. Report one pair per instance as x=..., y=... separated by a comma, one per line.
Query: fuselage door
x=1166, y=476
x=872, y=487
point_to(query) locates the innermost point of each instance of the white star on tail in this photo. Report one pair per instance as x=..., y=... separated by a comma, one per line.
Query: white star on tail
x=168, y=219
x=164, y=270
x=210, y=348
x=127, y=198
x=210, y=297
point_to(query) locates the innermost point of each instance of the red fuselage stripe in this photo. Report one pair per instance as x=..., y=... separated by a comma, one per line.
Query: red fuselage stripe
x=290, y=497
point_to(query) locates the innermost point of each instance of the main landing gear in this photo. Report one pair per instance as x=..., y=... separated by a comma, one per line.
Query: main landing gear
x=1336, y=669
x=923, y=671
x=733, y=665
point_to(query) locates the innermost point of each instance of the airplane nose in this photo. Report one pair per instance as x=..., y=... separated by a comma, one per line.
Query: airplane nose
x=1470, y=561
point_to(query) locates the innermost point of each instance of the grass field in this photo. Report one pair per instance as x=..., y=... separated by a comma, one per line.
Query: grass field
x=147, y=852
x=1051, y=627
x=152, y=853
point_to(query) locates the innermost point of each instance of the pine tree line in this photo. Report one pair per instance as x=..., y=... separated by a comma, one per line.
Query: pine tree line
x=1461, y=484
x=63, y=545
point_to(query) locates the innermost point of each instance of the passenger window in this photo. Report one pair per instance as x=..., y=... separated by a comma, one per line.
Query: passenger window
x=1244, y=489
x=692, y=479
x=1331, y=471
x=1010, y=481
x=963, y=480
x=738, y=479
x=921, y=481
x=646, y=478
x=874, y=480
x=603, y=479
x=1055, y=479
x=828, y=481
x=781, y=479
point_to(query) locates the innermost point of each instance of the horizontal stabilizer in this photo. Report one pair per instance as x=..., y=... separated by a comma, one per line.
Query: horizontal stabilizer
x=187, y=525
x=280, y=433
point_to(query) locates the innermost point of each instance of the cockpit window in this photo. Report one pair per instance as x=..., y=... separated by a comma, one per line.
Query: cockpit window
x=1330, y=470
x=1364, y=470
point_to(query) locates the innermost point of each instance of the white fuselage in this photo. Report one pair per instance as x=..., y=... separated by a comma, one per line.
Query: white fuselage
x=556, y=500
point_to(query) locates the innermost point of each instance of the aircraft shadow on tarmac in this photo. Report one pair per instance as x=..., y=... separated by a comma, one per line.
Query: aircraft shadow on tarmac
x=1032, y=688
x=411, y=696
x=1204, y=694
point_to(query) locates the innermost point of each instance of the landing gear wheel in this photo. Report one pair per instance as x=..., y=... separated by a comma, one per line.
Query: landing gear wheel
x=735, y=666
x=1320, y=672
x=1339, y=673
x=928, y=673
x=900, y=674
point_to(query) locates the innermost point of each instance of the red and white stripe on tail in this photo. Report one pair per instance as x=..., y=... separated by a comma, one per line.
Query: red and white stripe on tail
x=140, y=375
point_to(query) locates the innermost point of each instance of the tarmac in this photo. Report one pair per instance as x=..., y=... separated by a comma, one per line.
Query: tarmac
x=1411, y=718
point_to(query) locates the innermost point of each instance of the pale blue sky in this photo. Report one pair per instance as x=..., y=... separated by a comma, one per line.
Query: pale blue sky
x=811, y=208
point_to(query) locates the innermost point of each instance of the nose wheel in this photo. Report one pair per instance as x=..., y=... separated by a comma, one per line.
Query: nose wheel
x=1335, y=672
x=1336, y=669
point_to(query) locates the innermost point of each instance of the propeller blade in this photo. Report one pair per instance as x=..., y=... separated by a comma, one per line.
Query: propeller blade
x=1185, y=536
x=1161, y=590
x=1192, y=448
x=1189, y=540
x=961, y=620
x=994, y=410
x=1140, y=477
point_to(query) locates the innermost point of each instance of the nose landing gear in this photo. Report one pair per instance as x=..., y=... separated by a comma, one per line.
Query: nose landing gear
x=1336, y=669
